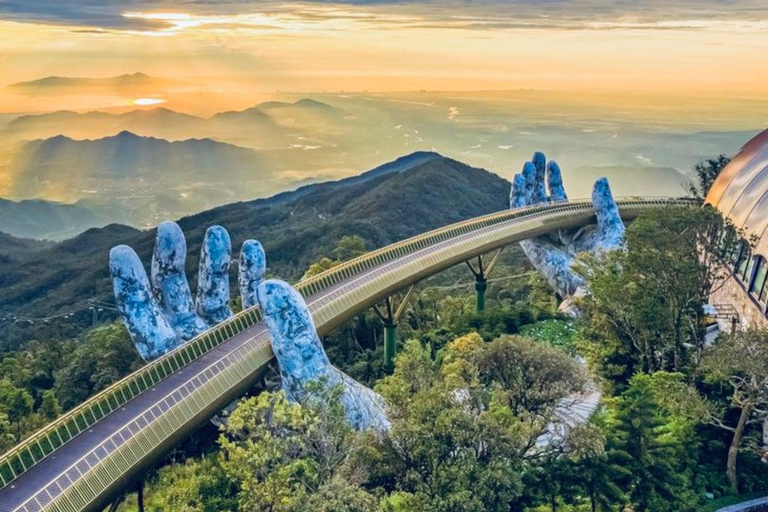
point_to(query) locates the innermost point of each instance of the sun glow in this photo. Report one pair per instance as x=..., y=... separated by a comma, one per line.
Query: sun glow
x=143, y=102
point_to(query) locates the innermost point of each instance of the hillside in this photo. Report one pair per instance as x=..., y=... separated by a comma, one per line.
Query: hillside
x=412, y=195
x=36, y=218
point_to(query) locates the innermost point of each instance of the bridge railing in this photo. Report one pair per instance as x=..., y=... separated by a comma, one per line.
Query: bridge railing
x=47, y=440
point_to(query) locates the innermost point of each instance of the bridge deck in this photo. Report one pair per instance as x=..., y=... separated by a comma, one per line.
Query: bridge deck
x=80, y=475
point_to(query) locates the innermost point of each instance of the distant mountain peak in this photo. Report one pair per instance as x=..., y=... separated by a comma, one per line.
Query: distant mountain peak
x=252, y=113
x=125, y=134
x=307, y=103
x=150, y=111
x=311, y=103
x=55, y=139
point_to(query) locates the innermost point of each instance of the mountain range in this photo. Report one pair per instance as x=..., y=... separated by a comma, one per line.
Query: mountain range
x=126, y=165
x=260, y=123
x=416, y=193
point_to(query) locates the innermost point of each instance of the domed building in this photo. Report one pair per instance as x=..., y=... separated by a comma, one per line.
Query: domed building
x=741, y=193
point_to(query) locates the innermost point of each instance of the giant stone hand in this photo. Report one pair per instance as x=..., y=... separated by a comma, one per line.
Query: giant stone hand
x=162, y=316
x=302, y=359
x=553, y=255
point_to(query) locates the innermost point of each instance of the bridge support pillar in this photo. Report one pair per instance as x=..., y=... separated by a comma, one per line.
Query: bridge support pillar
x=389, y=321
x=481, y=277
x=390, y=345
x=140, y=496
x=481, y=285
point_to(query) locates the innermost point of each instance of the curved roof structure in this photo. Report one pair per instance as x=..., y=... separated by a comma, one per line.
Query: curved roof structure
x=741, y=190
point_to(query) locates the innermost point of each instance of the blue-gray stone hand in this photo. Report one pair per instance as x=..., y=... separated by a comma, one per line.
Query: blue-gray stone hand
x=302, y=358
x=553, y=257
x=162, y=316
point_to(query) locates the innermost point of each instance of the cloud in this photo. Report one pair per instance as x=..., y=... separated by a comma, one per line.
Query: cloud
x=87, y=13
x=464, y=14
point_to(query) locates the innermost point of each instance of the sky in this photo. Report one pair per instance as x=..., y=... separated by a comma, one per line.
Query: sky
x=680, y=47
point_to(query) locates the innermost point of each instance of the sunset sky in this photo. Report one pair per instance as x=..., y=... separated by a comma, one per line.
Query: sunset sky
x=678, y=46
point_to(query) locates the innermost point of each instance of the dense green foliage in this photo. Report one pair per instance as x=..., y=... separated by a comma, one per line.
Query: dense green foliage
x=464, y=427
x=468, y=402
x=645, y=311
x=40, y=381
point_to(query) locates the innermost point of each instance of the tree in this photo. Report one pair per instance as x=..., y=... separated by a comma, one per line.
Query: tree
x=640, y=430
x=15, y=403
x=193, y=486
x=320, y=266
x=449, y=449
x=707, y=172
x=288, y=457
x=546, y=481
x=534, y=377
x=103, y=357
x=599, y=474
x=49, y=407
x=740, y=361
x=349, y=247
x=645, y=310
x=465, y=421
x=7, y=438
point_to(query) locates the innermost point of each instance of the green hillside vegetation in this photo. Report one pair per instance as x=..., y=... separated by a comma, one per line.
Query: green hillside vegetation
x=416, y=194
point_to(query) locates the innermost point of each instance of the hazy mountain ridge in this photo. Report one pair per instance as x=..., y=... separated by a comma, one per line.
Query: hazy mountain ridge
x=309, y=141
x=158, y=122
x=392, y=202
x=58, y=84
x=39, y=219
x=127, y=163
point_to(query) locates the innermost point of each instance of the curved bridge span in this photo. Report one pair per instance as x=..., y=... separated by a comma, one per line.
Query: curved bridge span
x=90, y=455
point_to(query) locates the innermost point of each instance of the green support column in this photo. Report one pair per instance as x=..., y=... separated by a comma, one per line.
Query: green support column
x=389, y=322
x=140, y=496
x=481, y=285
x=481, y=278
x=390, y=345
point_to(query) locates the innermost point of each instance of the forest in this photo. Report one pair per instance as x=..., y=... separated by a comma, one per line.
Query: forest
x=476, y=400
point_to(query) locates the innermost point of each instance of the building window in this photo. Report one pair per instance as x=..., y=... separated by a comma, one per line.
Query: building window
x=744, y=267
x=758, y=288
